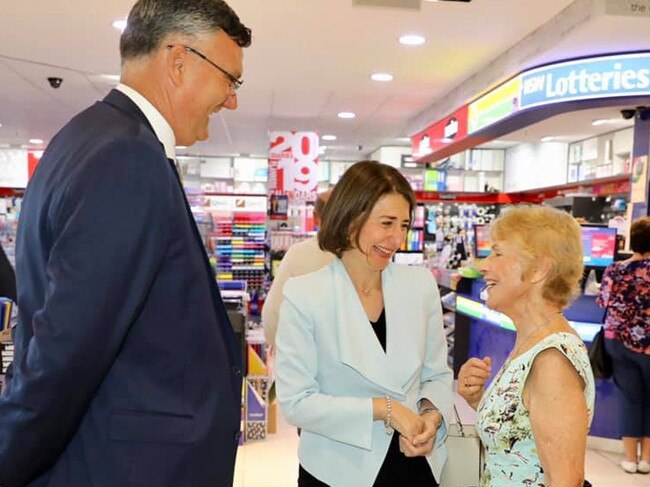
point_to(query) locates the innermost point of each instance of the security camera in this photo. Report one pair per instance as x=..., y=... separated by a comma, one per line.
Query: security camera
x=55, y=82
x=628, y=113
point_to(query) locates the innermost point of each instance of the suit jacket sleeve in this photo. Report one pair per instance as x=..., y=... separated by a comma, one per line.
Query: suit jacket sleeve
x=109, y=237
x=345, y=419
x=271, y=308
x=436, y=377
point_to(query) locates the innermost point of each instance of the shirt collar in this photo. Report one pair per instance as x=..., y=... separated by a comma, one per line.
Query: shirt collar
x=161, y=127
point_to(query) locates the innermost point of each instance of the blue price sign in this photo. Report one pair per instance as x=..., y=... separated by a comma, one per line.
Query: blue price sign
x=603, y=77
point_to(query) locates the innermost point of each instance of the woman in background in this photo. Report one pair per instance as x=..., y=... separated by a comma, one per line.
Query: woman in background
x=625, y=292
x=361, y=362
x=534, y=416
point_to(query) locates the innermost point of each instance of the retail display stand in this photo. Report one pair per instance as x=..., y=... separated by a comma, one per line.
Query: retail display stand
x=256, y=389
x=7, y=317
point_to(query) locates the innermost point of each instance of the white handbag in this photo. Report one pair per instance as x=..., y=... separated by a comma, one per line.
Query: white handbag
x=464, y=456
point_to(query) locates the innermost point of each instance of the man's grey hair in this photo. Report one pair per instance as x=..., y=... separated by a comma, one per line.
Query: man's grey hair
x=150, y=21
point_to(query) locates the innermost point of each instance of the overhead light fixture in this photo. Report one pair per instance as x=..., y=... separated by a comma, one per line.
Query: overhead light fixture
x=412, y=40
x=120, y=24
x=548, y=138
x=329, y=137
x=181, y=147
x=36, y=141
x=347, y=115
x=0, y=125
x=381, y=77
x=410, y=164
x=600, y=121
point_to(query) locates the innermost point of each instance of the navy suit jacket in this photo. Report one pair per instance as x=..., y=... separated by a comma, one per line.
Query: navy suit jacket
x=126, y=370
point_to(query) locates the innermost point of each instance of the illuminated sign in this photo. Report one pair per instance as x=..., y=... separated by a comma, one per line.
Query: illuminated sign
x=441, y=133
x=597, y=77
x=494, y=106
x=604, y=77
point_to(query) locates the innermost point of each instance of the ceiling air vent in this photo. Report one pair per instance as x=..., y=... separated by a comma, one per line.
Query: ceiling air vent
x=405, y=4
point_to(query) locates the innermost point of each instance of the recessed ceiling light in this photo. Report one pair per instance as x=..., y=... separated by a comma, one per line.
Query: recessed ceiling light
x=0, y=125
x=412, y=40
x=410, y=164
x=600, y=121
x=329, y=137
x=120, y=24
x=181, y=147
x=347, y=115
x=381, y=77
x=36, y=141
x=548, y=138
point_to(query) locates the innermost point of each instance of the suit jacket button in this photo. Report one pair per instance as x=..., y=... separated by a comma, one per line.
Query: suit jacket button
x=237, y=436
x=236, y=370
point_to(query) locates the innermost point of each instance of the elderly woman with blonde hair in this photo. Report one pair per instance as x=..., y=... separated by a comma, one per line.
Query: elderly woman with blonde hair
x=534, y=416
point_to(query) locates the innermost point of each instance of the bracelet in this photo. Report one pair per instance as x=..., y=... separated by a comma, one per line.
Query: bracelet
x=389, y=410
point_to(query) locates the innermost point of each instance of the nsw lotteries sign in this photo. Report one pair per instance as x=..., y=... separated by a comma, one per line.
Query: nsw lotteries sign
x=293, y=164
x=604, y=77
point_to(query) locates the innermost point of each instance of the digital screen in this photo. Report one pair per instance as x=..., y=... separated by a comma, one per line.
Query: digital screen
x=598, y=246
x=481, y=241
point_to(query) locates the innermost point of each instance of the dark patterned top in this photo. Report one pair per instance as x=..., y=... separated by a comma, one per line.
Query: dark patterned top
x=625, y=292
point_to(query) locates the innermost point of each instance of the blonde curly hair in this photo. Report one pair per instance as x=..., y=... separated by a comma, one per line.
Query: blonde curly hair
x=543, y=232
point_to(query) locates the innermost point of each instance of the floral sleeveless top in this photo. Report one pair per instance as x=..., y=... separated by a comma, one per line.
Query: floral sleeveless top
x=503, y=422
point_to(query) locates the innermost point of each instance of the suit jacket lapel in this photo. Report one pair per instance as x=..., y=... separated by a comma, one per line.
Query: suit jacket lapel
x=357, y=342
x=404, y=326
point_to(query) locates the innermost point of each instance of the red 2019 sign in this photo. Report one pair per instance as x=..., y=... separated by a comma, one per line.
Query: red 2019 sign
x=293, y=164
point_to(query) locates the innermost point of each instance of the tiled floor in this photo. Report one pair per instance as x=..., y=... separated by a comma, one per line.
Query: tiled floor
x=273, y=463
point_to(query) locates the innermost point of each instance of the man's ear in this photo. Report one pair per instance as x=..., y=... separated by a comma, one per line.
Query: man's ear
x=174, y=63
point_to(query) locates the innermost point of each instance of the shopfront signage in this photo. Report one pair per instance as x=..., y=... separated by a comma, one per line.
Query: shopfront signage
x=611, y=76
x=495, y=105
x=451, y=129
x=441, y=133
x=293, y=164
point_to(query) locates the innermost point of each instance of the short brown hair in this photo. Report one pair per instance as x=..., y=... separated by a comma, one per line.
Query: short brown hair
x=150, y=21
x=541, y=231
x=640, y=235
x=353, y=199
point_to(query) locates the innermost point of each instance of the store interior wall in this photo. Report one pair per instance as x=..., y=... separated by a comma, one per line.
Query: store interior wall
x=539, y=165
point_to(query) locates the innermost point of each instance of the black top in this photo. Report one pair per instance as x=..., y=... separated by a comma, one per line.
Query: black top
x=380, y=328
x=397, y=469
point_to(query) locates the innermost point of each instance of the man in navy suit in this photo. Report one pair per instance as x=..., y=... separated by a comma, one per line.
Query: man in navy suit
x=126, y=369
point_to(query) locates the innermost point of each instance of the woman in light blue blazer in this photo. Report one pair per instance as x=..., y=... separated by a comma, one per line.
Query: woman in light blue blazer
x=361, y=360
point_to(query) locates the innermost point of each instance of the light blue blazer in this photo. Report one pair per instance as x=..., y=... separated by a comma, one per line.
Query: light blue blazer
x=330, y=365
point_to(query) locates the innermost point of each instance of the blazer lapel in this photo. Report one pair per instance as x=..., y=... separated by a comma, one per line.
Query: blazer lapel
x=404, y=328
x=357, y=342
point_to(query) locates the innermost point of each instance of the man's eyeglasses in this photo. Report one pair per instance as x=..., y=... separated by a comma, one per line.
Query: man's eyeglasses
x=235, y=83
